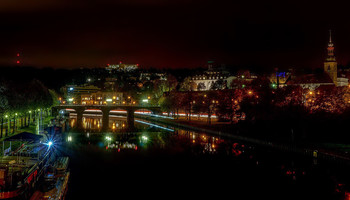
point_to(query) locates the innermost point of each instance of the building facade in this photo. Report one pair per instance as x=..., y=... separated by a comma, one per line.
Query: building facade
x=102, y=98
x=211, y=79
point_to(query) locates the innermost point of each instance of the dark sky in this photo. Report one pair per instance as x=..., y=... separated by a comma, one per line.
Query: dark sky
x=181, y=33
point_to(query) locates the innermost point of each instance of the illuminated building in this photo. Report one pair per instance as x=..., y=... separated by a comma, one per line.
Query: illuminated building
x=329, y=77
x=279, y=79
x=74, y=92
x=102, y=98
x=330, y=65
x=122, y=67
x=207, y=79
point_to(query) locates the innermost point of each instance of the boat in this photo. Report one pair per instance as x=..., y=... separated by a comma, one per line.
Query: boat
x=21, y=170
x=55, y=184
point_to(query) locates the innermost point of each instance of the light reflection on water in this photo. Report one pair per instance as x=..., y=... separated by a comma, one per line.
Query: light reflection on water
x=288, y=168
x=95, y=123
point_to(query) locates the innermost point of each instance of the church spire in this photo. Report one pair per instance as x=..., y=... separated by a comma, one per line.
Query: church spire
x=330, y=65
x=330, y=48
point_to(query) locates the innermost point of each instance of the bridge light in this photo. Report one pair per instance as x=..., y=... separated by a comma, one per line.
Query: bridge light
x=109, y=100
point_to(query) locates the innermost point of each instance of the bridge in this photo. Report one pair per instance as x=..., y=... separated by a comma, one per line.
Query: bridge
x=130, y=110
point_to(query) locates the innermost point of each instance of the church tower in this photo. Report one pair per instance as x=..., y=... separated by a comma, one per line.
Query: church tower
x=330, y=65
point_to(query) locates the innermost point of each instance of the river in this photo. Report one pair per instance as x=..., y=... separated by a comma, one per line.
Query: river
x=159, y=162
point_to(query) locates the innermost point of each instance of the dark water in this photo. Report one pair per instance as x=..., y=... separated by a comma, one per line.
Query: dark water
x=162, y=164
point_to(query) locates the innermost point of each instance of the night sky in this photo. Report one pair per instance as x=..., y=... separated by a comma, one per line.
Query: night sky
x=172, y=34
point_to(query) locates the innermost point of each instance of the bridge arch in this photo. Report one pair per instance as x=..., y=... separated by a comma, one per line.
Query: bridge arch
x=117, y=119
x=91, y=119
x=108, y=110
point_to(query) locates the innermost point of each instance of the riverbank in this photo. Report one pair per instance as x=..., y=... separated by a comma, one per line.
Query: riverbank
x=328, y=151
x=30, y=129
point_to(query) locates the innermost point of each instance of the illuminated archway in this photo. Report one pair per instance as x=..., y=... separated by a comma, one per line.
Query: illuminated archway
x=92, y=119
x=117, y=119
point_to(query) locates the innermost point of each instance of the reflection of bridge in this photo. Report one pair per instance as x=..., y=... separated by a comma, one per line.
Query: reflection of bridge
x=105, y=109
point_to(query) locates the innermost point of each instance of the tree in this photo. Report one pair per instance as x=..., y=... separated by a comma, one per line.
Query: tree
x=201, y=86
x=228, y=106
x=188, y=85
x=218, y=85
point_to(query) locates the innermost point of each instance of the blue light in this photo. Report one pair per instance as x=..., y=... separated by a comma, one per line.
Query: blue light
x=150, y=124
x=71, y=89
x=50, y=143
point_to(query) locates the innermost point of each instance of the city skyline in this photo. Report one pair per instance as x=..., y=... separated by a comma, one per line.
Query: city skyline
x=181, y=34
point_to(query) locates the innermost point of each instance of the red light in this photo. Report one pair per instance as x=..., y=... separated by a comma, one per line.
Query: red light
x=136, y=148
x=120, y=62
x=119, y=150
x=18, y=55
x=106, y=147
x=17, y=62
x=107, y=64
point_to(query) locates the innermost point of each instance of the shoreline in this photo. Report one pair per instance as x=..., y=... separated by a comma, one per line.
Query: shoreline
x=307, y=150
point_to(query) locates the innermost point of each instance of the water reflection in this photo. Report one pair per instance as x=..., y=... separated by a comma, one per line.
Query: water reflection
x=92, y=123
x=95, y=123
x=288, y=171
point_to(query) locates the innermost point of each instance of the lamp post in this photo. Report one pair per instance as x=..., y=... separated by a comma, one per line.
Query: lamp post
x=8, y=125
